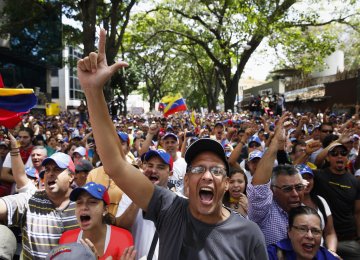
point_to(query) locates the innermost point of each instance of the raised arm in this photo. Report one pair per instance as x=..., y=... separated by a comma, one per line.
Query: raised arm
x=153, y=130
x=17, y=165
x=264, y=169
x=235, y=154
x=93, y=73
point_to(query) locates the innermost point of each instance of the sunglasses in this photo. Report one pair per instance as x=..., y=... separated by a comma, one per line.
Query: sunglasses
x=290, y=188
x=337, y=153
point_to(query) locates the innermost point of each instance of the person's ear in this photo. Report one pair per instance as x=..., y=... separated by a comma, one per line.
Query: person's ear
x=227, y=183
x=72, y=176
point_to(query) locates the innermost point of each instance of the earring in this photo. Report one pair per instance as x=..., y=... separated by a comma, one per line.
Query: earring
x=104, y=214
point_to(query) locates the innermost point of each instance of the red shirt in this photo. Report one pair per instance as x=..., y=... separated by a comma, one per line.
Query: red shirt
x=119, y=240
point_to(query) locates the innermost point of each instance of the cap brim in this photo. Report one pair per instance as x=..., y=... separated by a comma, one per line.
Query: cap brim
x=47, y=160
x=206, y=145
x=76, y=192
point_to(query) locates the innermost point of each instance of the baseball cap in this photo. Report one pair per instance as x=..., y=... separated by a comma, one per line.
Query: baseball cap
x=8, y=243
x=166, y=135
x=254, y=138
x=166, y=157
x=123, y=136
x=80, y=150
x=96, y=190
x=336, y=144
x=218, y=123
x=31, y=172
x=303, y=168
x=62, y=160
x=255, y=154
x=41, y=174
x=206, y=145
x=355, y=136
x=83, y=165
x=71, y=251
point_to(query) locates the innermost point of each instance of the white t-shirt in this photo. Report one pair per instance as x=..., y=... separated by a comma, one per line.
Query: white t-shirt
x=142, y=230
x=179, y=171
x=7, y=162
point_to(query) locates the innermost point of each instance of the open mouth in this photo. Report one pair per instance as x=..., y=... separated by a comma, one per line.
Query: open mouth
x=308, y=247
x=294, y=204
x=51, y=183
x=206, y=195
x=153, y=178
x=84, y=218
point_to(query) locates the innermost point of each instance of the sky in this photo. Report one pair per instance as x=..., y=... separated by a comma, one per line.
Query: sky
x=263, y=60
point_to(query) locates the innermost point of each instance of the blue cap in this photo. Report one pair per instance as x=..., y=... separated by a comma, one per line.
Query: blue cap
x=31, y=172
x=255, y=154
x=254, y=138
x=166, y=157
x=303, y=168
x=96, y=190
x=332, y=115
x=170, y=134
x=293, y=139
x=123, y=136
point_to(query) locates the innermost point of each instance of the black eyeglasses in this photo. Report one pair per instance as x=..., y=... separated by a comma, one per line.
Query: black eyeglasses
x=214, y=170
x=289, y=188
x=253, y=145
x=303, y=230
x=337, y=153
x=327, y=131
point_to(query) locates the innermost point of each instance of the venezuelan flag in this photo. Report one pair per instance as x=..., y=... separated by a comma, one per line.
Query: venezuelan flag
x=176, y=104
x=14, y=103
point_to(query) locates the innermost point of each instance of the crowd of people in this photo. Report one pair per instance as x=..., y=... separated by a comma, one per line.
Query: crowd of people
x=223, y=186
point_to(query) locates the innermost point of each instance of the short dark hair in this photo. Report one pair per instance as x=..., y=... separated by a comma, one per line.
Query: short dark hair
x=28, y=130
x=301, y=210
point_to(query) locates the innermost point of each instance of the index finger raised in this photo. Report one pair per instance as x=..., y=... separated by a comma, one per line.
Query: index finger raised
x=102, y=41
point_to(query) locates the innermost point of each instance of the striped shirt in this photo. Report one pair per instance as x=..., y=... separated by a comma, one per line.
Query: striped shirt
x=42, y=224
x=264, y=211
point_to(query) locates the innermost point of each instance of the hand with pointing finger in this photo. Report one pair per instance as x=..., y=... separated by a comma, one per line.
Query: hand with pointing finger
x=93, y=71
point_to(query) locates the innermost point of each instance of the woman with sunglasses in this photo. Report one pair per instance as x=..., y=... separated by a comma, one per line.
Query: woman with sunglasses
x=304, y=238
x=91, y=211
x=321, y=206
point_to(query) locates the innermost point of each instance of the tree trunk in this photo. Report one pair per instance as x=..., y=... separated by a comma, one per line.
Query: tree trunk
x=88, y=11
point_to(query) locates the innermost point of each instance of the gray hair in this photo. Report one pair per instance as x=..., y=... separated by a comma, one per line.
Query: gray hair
x=284, y=169
x=42, y=148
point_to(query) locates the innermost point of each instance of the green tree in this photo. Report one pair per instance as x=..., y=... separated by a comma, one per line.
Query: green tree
x=230, y=31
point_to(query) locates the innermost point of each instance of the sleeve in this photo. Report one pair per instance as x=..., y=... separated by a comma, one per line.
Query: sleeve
x=123, y=205
x=7, y=161
x=161, y=201
x=260, y=200
x=326, y=206
x=357, y=173
x=16, y=206
x=29, y=187
x=272, y=250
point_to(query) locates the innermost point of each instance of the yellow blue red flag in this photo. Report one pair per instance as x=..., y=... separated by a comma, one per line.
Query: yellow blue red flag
x=14, y=103
x=175, y=104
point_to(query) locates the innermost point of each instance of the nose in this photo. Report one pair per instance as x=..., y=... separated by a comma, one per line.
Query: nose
x=207, y=175
x=294, y=193
x=309, y=234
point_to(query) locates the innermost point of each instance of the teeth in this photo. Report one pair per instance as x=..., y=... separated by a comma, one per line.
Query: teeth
x=206, y=189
